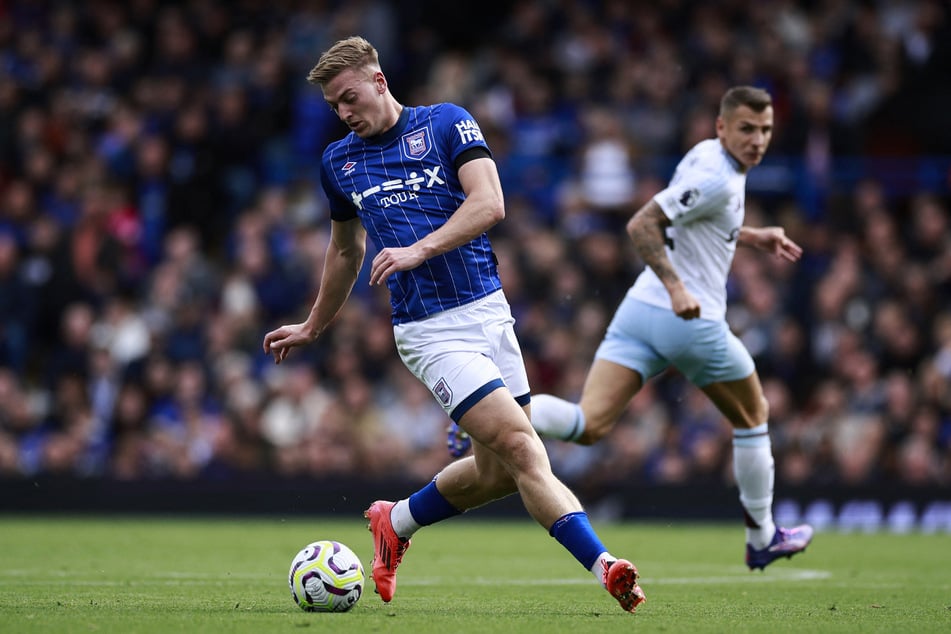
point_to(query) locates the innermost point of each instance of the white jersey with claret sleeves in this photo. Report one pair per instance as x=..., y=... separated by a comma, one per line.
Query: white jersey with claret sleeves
x=705, y=202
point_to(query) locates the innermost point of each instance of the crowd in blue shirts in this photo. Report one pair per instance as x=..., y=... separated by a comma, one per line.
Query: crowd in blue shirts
x=160, y=210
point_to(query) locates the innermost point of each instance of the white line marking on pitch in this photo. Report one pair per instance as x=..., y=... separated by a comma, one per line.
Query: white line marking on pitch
x=750, y=577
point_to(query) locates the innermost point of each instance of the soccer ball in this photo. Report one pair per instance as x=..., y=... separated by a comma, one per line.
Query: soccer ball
x=326, y=576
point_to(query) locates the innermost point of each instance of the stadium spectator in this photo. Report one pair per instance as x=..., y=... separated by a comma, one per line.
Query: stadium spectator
x=117, y=106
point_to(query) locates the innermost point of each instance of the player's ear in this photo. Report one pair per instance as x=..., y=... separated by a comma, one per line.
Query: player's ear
x=380, y=80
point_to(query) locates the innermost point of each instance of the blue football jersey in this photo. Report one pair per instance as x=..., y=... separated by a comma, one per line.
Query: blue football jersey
x=403, y=185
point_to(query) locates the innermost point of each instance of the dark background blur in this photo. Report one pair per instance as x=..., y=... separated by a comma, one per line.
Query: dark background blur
x=160, y=211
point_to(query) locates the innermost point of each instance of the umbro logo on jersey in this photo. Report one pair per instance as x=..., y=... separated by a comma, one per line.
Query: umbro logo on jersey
x=348, y=167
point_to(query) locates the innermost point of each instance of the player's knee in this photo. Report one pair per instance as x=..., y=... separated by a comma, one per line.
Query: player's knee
x=519, y=450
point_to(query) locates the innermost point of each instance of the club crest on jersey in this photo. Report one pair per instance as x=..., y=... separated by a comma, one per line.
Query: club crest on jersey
x=416, y=144
x=348, y=167
x=442, y=392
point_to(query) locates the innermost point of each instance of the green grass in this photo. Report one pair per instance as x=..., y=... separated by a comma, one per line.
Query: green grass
x=120, y=574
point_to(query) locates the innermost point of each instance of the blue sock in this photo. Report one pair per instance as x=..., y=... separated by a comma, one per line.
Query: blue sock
x=574, y=532
x=428, y=506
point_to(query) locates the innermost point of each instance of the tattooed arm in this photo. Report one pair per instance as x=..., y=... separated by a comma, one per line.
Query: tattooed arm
x=647, y=230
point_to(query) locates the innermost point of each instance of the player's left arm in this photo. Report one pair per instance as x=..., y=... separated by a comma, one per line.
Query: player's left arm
x=483, y=207
x=772, y=240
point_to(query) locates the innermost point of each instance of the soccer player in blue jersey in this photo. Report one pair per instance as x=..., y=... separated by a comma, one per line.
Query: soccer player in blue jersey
x=421, y=182
x=675, y=314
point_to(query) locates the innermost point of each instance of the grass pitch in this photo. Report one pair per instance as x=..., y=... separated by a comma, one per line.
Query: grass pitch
x=150, y=575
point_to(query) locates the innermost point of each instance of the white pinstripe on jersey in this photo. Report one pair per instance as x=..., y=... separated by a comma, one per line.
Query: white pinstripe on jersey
x=403, y=185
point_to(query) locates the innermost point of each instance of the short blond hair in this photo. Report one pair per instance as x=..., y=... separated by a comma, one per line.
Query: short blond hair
x=351, y=52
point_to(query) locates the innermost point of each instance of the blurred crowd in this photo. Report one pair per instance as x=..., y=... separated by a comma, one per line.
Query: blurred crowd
x=160, y=211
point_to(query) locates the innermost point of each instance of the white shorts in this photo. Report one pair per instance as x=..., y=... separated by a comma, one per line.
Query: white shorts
x=648, y=339
x=464, y=353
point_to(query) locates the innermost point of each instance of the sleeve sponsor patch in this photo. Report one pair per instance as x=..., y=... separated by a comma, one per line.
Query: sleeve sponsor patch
x=688, y=198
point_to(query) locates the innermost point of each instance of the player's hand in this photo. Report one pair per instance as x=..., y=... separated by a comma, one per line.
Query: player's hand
x=389, y=261
x=684, y=304
x=775, y=241
x=279, y=342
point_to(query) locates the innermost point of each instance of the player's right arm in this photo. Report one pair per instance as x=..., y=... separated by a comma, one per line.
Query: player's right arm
x=342, y=264
x=647, y=230
x=482, y=208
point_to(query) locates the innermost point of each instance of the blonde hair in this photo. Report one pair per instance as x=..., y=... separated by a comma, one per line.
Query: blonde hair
x=351, y=52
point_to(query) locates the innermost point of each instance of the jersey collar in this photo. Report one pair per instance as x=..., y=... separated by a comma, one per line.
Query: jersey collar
x=392, y=133
x=729, y=157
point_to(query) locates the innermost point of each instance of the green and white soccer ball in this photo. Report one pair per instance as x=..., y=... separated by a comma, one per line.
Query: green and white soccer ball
x=326, y=576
